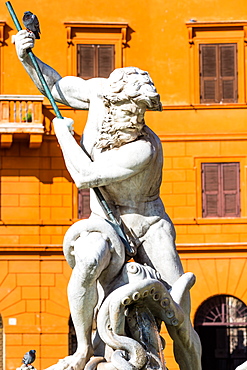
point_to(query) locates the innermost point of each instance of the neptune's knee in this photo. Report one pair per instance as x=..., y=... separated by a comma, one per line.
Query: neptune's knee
x=92, y=256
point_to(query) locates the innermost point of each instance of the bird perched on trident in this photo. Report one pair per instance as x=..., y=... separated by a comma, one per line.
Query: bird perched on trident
x=29, y=357
x=31, y=23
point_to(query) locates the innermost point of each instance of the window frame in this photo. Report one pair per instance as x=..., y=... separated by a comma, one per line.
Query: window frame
x=219, y=192
x=84, y=210
x=91, y=33
x=96, y=58
x=218, y=78
x=217, y=33
x=242, y=183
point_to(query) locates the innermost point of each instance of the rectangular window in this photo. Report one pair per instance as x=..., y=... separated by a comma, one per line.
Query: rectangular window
x=218, y=73
x=221, y=189
x=95, y=60
x=83, y=203
x=95, y=49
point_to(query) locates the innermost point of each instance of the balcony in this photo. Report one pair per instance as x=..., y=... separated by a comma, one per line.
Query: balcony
x=20, y=116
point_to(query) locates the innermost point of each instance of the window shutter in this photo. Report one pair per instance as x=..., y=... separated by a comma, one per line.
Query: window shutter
x=221, y=189
x=95, y=60
x=86, y=61
x=105, y=60
x=228, y=72
x=210, y=189
x=218, y=73
x=231, y=190
x=83, y=203
x=208, y=72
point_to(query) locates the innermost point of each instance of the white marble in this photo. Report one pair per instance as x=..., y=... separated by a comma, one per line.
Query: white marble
x=126, y=165
x=242, y=366
x=26, y=367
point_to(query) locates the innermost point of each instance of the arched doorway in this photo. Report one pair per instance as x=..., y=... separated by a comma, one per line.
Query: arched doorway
x=221, y=322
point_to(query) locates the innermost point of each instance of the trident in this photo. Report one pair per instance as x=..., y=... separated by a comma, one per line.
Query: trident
x=111, y=218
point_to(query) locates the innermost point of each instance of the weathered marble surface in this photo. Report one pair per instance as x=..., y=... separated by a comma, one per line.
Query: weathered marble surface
x=242, y=366
x=126, y=165
x=26, y=367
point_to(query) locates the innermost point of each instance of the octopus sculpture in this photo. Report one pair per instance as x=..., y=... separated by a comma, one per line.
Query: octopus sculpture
x=129, y=318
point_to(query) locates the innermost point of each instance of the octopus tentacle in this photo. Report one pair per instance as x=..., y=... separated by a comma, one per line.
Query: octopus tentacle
x=111, y=317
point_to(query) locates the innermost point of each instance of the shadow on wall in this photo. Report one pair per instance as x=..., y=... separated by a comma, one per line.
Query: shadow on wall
x=7, y=30
x=34, y=183
x=45, y=163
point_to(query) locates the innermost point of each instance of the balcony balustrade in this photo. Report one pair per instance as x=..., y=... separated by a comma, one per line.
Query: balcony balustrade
x=21, y=115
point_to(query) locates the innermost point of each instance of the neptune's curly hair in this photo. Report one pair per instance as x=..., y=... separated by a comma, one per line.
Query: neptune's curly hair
x=132, y=84
x=124, y=86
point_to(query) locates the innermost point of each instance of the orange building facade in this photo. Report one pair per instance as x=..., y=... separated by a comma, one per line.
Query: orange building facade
x=196, y=53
